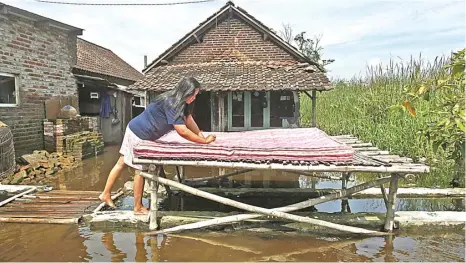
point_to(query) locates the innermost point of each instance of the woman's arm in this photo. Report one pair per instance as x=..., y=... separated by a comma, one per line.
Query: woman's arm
x=189, y=135
x=192, y=125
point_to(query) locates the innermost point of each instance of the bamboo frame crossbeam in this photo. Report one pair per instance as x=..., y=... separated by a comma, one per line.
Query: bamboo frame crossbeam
x=396, y=168
x=329, y=177
x=271, y=212
x=218, y=176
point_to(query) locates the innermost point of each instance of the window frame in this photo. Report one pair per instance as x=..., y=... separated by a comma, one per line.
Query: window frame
x=16, y=78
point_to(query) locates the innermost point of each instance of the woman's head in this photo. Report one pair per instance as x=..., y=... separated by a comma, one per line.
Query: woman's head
x=184, y=93
x=189, y=87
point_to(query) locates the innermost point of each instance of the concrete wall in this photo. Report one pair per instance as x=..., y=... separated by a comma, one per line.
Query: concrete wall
x=41, y=58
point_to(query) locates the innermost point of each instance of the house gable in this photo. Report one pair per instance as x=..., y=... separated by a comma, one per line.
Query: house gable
x=231, y=34
x=232, y=40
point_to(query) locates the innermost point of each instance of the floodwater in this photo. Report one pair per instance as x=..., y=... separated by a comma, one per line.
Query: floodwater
x=30, y=242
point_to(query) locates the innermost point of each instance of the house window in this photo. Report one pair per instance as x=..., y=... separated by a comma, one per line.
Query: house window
x=8, y=90
x=281, y=106
x=139, y=102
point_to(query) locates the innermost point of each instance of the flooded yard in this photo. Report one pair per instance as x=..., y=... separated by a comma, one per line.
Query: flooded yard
x=38, y=242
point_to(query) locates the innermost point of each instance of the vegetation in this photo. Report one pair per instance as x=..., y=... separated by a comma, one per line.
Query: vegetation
x=309, y=47
x=414, y=109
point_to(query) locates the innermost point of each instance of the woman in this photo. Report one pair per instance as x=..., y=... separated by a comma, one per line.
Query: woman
x=170, y=110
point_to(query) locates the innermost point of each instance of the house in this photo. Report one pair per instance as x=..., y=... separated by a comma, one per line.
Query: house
x=45, y=66
x=103, y=76
x=36, y=58
x=251, y=78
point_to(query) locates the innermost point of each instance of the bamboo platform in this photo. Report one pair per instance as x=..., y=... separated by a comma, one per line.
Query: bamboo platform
x=366, y=158
x=52, y=207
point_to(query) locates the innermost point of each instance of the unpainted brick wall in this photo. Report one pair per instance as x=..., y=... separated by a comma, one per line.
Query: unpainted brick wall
x=232, y=38
x=42, y=59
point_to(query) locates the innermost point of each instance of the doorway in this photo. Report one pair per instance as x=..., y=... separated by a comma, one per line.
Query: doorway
x=202, y=111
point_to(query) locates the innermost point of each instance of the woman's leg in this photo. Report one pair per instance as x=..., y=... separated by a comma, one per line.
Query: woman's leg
x=138, y=191
x=105, y=196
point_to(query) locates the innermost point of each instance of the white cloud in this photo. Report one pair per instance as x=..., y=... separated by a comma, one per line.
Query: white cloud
x=355, y=33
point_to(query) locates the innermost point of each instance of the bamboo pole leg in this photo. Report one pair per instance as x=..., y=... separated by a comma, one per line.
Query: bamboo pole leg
x=344, y=183
x=260, y=210
x=180, y=173
x=289, y=208
x=153, y=196
x=266, y=179
x=384, y=195
x=162, y=174
x=390, y=216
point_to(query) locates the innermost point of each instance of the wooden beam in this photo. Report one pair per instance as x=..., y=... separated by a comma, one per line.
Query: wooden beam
x=307, y=93
x=314, y=114
x=197, y=39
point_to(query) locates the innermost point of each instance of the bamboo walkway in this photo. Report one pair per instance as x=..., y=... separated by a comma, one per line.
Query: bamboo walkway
x=53, y=207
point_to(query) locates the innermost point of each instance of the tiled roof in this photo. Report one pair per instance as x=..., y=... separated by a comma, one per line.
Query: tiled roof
x=246, y=75
x=97, y=59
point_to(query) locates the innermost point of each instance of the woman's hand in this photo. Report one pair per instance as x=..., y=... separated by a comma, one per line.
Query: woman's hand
x=210, y=139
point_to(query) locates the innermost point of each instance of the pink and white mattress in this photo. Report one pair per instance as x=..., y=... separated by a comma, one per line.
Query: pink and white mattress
x=269, y=145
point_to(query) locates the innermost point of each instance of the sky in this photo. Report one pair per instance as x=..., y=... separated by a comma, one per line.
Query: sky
x=355, y=33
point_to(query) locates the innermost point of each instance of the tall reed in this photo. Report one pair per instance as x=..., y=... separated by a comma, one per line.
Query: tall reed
x=368, y=107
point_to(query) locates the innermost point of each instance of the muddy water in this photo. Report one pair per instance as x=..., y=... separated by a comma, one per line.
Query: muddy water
x=27, y=242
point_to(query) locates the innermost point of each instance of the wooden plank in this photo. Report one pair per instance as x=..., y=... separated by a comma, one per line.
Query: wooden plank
x=18, y=215
x=40, y=220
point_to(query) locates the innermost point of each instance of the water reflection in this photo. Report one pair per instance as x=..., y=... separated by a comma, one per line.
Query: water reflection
x=54, y=243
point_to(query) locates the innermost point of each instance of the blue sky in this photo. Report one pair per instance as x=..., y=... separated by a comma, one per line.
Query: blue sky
x=355, y=33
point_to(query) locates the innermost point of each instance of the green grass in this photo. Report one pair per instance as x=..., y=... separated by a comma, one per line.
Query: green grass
x=363, y=107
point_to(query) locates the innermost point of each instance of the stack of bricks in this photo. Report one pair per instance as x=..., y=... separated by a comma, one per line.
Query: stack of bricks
x=75, y=137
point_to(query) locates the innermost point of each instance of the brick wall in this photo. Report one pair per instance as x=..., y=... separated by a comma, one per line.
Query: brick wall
x=41, y=58
x=231, y=38
x=78, y=137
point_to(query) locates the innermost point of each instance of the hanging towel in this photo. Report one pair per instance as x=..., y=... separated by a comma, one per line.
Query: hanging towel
x=105, y=105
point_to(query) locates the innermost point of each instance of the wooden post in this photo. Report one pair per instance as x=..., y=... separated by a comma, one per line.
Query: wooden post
x=344, y=200
x=390, y=216
x=154, y=186
x=221, y=112
x=314, y=100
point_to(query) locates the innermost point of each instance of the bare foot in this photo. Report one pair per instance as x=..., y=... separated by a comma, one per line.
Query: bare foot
x=107, y=199
x=141, y=211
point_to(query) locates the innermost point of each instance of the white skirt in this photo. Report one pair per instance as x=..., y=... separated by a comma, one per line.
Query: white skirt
x=127, y=147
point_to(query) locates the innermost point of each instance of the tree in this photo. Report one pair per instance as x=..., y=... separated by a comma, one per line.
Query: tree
x=446, y=93
x=310, y=48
